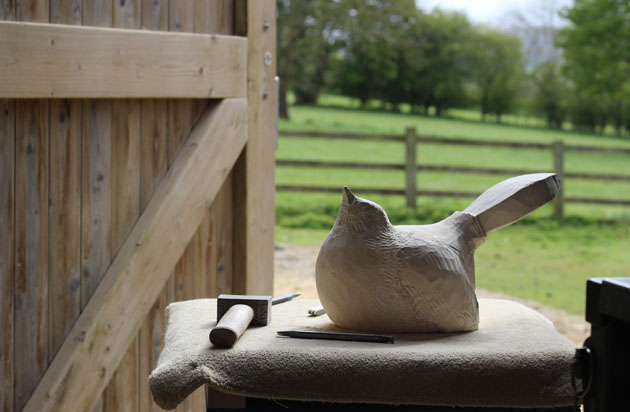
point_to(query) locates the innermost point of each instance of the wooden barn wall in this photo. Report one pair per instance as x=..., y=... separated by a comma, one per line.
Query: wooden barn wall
x=75, y=176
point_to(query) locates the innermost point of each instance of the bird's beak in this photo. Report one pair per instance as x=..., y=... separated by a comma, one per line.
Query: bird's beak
x=348, y=197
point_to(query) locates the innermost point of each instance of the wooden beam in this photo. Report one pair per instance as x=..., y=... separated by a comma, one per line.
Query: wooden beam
x=98, y=341
x=49, y=60
x=254, y=213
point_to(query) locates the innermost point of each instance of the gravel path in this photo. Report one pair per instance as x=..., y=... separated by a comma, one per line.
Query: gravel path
x=295, y=273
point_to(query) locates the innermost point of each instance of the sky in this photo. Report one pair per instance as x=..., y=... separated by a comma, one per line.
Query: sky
x=488, y=11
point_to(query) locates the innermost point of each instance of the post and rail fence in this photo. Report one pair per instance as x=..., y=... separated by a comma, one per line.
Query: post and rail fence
x=411, y=140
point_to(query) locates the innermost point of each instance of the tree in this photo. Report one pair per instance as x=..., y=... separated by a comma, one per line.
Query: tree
x=372, y=59
x=496, y=67
x=597, y=53
x=551, y=91
x=308, y=33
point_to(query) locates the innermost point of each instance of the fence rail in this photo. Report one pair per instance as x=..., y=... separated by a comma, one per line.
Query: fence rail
x=411, y=167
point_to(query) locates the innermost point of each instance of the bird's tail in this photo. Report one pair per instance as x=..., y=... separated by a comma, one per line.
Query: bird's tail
x=513, y=199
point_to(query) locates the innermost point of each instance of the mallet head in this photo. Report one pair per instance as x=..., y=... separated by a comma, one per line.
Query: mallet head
x=261, y=306
x=235, y=313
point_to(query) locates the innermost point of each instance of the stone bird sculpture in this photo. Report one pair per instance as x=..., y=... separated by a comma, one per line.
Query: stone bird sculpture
x=374, y=276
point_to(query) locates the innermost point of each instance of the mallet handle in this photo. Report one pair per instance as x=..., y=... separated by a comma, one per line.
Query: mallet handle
x=231, y=326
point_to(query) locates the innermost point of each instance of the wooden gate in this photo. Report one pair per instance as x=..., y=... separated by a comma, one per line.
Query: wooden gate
x=137, y=144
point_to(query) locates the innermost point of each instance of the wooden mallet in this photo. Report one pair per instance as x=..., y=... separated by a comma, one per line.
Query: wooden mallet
x=235, y=313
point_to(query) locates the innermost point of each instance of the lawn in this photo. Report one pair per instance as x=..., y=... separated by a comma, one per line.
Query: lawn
x=539, y=258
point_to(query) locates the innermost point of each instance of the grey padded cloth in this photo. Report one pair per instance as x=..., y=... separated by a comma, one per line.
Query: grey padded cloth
x=515, y=359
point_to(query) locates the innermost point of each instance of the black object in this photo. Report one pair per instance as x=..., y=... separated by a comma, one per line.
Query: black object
x=357, y=337
x=600, y=370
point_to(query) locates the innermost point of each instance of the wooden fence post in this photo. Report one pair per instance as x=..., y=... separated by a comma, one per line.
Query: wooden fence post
x=558, y=168
x=410, y=166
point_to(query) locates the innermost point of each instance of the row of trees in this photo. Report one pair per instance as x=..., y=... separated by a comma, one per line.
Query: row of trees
x=390, y=51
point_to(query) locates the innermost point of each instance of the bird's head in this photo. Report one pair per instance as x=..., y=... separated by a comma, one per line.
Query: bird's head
x=361, y=215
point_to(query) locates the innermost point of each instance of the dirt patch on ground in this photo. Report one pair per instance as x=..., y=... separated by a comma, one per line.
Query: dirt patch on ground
x=295, y=273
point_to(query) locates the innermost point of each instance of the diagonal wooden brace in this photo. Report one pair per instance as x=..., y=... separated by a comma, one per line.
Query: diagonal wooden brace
x=98, y=341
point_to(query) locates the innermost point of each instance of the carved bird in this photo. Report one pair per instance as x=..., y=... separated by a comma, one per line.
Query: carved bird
x=372, y=275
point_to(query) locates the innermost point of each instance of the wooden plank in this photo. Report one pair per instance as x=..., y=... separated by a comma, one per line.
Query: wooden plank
x=127, y=14
x=65, y=11
x=593, y=176
x=179, y=125
x=64, y=280
x=46, y=60
x=345, y=136
x=182, y=16
x=31, y=247
x=154, y=159
x=150, y=345
x=153, y=146
x=7, y=257
x=96, y=194
x=139, y=272
x=32, y=10
x=7, y=10
x=223, y=234
x=96, y=177
x=254, y=172
x=596, y=149
x=596, y=200
x=125, y=169
x=184, y=275
x=326, y=189
x=214, y=16
x=341, y=165
x=440, y=168
x=97, y=13
x=201, y=255
x=122, y=394
x=155, y=14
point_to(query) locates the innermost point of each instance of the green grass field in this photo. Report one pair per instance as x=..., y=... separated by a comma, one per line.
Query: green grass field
x=539, y=258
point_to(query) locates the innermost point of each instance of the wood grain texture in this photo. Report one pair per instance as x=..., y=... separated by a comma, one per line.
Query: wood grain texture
x=127, y=14
x=31, y=247
x=154, y=146
x=184, y=275
x=7, y=10
x=202, y=246
x=7, y=259
x=64, y=280
x=417, y=278
x=121, y=394
x=214, y=16
x=179, y=125
x=125, y=169
x=155, y=14
x=32, y=10
x=182, y=16
x=97, y=13
x=254, y=172
x=96, y=194
x=96, y=176
x=139, y=272
x=46, y=60
x=150, y=344
x=223, y=234
x=65, y=11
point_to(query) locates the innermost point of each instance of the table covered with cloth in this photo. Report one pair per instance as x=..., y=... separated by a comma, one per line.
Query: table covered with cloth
x=515, y=359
